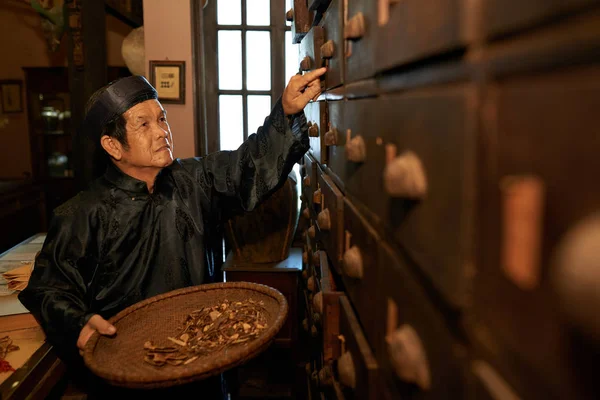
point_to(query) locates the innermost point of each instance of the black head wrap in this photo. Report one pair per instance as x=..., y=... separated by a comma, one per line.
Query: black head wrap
x=115, y=100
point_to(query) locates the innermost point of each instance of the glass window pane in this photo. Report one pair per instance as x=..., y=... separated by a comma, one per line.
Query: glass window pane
x=292, y=65
x=230, y=59
x=258, y=60
x=229, y=12
x=258, y=12
x=288, y=6
x=259, y=108
x=231, y=131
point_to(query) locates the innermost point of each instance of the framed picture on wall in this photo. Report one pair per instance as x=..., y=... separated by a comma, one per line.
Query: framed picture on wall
x=12, y=101
x=168, y=77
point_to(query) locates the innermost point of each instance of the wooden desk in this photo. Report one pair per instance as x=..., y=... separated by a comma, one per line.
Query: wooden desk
x=37, y=369
x=278, y=372
x=283, y=276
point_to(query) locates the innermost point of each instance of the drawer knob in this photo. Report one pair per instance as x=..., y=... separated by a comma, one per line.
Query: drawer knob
x=289, y=15
x=313, y=130
x=356, y=150
x=314, y=332
x=327, y=49
x=576, y=277
x=305, y=64
x=318, y=302
x=324, y=220
x=346, y=370
x=326, y=376
x=311, y=283
x=355, y=27
x=306, y=213
x=331, y=137
x=407, y=356
x=404, y=176
x=306, y=180
x=353, y=263
x=317, y=196
x=312, y=232
x=314, y=377
x=316, y=318
x=317, y=258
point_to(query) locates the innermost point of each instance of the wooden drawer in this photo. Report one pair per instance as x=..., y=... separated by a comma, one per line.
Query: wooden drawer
x=316, y=115
x=326, y=303
x=357, y=369
x=488, y=384
x=310, y=181
x=310, y=50
x=333, y=52
x=330, y=220
x=412, y=30
x=351, y=136
x=541, y=183
x=407, y=319
x=300, y=18
x=429, y=136
x=360, y=33
x=508, y=16
x=360, y=272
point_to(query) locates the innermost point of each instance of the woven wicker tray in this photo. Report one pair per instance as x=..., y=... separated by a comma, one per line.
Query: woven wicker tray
x=120, y=359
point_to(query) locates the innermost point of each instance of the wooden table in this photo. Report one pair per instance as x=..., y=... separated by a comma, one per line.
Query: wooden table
x=279, y=371
x=37, y=367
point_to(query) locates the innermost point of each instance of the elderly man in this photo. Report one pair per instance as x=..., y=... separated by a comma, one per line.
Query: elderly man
x=141, y=229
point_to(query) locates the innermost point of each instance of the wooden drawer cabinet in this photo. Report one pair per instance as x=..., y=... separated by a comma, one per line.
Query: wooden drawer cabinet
x=300, y=18
x=316, y=114
x=508, y=16
x=360, y=34
x=326, y=303
x=333, y=51
x=429, y=182
x=357, y=369
x=310, y=50
x=412, y=30
x=352, y=135
x=408, y=321
x=331, y=220
x=360, y=272
x=542, y=186
x=310, y=182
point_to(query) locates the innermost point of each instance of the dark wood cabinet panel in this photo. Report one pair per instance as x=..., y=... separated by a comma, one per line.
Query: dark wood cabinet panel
x=544, y=161
x=502, y=17
x=406, y=316
x=333, y=28
x=456, y=196
x=414, y=30
x=429, y=182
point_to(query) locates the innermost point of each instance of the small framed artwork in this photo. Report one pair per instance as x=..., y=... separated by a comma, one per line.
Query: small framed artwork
x=168, y=77
x=12, y=101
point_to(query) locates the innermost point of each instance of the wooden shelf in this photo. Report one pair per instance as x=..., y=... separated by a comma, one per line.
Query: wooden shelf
x=129, y=11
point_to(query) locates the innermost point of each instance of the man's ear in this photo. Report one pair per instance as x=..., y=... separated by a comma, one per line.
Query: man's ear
x=112, y=146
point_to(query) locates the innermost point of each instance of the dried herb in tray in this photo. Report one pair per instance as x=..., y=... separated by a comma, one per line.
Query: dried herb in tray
x=208, y=330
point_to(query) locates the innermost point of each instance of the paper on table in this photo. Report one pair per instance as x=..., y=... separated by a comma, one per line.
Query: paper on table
x=17, y=278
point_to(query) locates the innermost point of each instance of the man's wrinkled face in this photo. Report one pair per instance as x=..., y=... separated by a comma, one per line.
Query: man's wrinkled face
x=149, y=139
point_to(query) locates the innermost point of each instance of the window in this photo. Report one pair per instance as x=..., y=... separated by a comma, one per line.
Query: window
x=249, y=58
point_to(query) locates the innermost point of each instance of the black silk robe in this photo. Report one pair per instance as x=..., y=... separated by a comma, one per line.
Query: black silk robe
x=117, y=244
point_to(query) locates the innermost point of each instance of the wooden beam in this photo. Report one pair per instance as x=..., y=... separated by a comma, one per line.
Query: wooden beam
x=129, y=11
x=87, y=73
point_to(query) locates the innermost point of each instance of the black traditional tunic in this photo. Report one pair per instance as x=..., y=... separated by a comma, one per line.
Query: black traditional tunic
x=117, y=244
